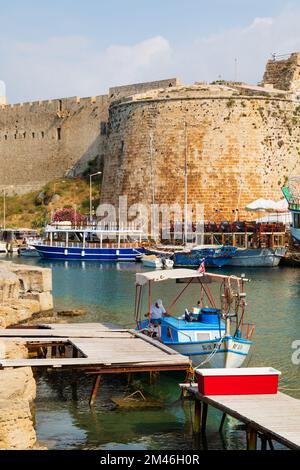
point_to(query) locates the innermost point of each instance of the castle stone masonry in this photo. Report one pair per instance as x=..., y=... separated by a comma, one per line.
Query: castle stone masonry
x=241, y=141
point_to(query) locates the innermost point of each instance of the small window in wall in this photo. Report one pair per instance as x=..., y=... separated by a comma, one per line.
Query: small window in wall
x=24, y=135
x=58, y=133
x=43, y=134
x=33, y=135
x=15, y=136
x=5, y=137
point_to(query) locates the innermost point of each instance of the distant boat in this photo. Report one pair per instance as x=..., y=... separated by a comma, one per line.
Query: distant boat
x=217, y=335
x=90, y=244
x=260, y=257
x=29, y=252
x=213, y=256
x=156, y=262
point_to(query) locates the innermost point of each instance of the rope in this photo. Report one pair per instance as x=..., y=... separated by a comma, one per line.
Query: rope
x=212, y=354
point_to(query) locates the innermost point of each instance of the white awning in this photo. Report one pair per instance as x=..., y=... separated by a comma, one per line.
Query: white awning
x=160, y=276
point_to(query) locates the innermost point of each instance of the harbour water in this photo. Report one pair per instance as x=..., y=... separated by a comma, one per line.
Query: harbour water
x=106, y=291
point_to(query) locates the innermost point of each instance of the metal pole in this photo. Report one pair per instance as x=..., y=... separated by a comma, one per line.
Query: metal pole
x=152, y=183
x=91, y=206
x=185, y=185
x=4, y=209
x=91, y=195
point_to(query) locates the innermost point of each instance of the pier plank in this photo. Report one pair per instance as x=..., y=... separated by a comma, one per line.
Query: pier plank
x=276, y=415
x=100, y=346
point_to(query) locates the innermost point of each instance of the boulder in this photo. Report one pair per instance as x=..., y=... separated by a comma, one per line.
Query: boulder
x=17, y=391
x=44, y=299
x=16, y=425
x=17, y=383
x=33, y=279
x=72, y=313
x=17, y=311
x=9, y=285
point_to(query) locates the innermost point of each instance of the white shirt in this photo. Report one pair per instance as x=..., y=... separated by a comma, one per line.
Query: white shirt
x=157, y=312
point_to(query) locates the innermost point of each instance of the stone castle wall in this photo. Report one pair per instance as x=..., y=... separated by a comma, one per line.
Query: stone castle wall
x=242, y=143
x=45, y=140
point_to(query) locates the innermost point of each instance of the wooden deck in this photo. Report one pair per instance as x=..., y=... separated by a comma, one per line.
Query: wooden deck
x=95, y=347
x=271, y=417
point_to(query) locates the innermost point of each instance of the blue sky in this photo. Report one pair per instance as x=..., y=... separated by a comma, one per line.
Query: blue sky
x=63, y=48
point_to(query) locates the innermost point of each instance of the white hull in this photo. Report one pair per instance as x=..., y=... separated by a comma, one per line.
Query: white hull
x=155, y=264
x=262, y=258
x=230, y=353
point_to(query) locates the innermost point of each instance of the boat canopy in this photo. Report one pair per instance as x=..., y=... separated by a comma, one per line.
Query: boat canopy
x=159, y=276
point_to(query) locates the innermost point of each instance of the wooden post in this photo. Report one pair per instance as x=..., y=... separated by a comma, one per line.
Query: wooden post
x=251, y=439
x=263, y=442
x=197, y=420
x=130, y=378
x=153, y=377
x=95, y=390
x=204, y=417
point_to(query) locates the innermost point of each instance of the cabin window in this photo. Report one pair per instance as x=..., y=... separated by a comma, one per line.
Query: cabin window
x=297, y=220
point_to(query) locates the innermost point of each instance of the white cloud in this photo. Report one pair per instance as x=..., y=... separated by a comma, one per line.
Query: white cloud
x=75, y=65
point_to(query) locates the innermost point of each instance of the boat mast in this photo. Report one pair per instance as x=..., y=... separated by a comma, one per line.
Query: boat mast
x=152, y=183
x=185, y=184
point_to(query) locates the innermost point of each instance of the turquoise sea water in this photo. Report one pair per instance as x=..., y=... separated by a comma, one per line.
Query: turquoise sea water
x=106, y=291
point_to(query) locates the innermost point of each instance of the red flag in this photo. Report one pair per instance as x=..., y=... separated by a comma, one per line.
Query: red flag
x=201, y=269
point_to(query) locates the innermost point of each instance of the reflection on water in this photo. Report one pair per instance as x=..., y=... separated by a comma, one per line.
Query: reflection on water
x=106, y=291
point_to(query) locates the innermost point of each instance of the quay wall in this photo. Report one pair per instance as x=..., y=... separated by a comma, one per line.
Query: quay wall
x=24, y=291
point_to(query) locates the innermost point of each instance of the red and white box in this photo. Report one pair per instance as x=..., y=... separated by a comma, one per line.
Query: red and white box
x=244, y=381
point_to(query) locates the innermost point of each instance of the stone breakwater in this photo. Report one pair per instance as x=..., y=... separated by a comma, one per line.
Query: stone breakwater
x=24, y=291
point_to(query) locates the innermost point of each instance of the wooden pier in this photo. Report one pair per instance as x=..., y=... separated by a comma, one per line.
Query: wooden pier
x=93, y=348
x=268, y=417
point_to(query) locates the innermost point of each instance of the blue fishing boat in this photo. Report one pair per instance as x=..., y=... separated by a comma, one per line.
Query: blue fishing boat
x=213, y=256
x=217, y=336
x=90, y=244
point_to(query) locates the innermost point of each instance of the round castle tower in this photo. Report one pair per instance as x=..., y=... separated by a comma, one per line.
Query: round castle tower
x=240, y=142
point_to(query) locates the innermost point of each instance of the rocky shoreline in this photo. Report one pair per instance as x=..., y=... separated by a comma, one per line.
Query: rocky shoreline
x=24, y=292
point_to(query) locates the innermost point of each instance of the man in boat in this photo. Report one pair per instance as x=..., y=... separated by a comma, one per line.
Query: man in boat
x=157, y=312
